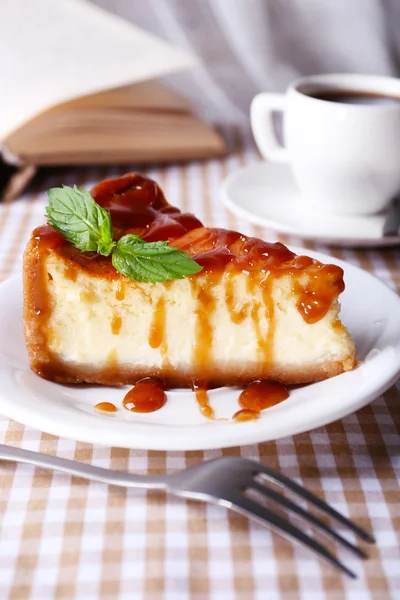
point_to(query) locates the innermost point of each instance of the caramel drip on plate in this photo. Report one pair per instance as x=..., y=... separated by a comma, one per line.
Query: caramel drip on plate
x=116, y=324
x=258, y=396
x=146, y=396
x=245, y=414
x=106, y=407
x=200, y=391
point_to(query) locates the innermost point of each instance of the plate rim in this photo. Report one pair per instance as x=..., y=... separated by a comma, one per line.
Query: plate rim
x=246, y=435
x=286, y=229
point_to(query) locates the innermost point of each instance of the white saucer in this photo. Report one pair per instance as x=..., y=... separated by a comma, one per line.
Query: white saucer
x=369, y=309
x=265, y=194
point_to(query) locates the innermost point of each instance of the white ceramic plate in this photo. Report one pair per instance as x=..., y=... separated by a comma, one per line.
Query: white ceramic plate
x=370, y=310
x=265, y=194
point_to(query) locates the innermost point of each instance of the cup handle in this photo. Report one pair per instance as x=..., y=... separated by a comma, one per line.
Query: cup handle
x=261, y=110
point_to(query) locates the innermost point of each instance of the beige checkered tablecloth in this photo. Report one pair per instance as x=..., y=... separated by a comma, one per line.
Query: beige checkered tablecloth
x=62, y=537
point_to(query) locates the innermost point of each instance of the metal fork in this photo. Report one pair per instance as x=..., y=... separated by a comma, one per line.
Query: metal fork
x=221, y=481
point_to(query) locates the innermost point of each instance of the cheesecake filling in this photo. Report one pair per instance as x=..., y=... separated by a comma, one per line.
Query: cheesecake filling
x=187, y=324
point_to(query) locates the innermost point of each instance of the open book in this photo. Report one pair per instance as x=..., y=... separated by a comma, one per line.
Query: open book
x=143, y=122
x=92, y=100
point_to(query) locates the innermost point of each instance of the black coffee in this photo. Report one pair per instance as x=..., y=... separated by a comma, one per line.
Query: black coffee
x=356, y=97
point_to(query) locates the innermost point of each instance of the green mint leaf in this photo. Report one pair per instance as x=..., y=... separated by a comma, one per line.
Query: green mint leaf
x=151, y=262
x=74, y=213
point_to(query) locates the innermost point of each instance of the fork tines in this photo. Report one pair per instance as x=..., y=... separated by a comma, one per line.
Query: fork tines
x=251, y=508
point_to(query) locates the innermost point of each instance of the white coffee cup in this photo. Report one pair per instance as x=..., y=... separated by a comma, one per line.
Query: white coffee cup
x=345, y=157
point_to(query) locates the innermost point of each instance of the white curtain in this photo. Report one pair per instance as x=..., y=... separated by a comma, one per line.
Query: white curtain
x=246, y=46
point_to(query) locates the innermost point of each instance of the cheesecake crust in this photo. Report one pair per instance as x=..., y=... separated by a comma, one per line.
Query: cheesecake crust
x=65, y=372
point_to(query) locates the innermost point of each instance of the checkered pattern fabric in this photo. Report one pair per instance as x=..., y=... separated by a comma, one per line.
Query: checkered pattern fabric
x=62, y=537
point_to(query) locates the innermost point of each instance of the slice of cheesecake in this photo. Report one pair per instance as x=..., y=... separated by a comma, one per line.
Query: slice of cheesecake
x=256, y=310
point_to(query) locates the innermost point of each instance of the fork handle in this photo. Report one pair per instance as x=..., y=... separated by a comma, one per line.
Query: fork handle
x=73, y=467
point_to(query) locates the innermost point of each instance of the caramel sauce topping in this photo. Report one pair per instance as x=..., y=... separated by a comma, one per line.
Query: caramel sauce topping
x=315, y=298
x=137, y=205
x=146, y=396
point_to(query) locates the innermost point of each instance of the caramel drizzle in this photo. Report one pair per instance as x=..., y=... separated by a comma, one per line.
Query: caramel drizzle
x=257, y=328
x=157, y=327
x=237, y=316
x=265, y=341
x=204, y=329
x=121, y=290
x=202, y=289
x=116, y=324
x=158, y=330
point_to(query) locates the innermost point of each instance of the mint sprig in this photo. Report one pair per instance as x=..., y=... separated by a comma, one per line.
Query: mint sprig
x=151, y=261
x=86, y=225
x=74, y=213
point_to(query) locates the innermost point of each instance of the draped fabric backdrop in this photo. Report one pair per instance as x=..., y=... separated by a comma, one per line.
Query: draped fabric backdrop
x=246, y=46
